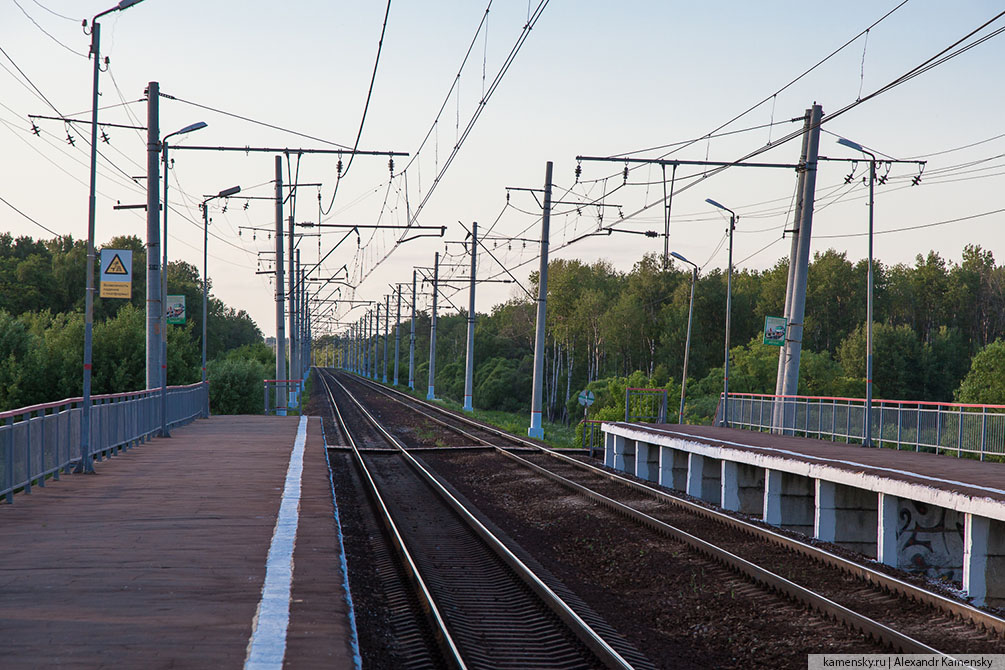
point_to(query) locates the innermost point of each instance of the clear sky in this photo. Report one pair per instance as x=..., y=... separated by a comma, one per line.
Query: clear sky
x=592, y=78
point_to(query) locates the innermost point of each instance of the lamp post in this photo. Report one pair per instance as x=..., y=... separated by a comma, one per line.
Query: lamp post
x=687, y=345
x=226, y=193
x=165, y=432
x=85, y=418
x=867, y=440
x=729, y=309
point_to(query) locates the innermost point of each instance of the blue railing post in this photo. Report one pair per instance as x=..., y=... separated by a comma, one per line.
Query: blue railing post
x=41, y=447
x=27, y=452
x=10, y=459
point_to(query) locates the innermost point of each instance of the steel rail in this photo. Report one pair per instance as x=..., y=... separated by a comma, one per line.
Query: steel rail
x=439, y=624
x=583, y=631
x=960, y=610
x=847, y=617
x=775, y=582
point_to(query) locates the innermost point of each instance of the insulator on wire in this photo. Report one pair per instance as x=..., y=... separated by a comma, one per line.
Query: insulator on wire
x=70, y=140
x=579, y=170
x=625, y=173
x=390, y=165
x=104, y=136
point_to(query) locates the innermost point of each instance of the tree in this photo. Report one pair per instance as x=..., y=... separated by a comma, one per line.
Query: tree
x=898, y=365
x=985, y=382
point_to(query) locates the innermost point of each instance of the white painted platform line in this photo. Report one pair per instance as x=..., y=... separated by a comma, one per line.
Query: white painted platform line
x=267, y=645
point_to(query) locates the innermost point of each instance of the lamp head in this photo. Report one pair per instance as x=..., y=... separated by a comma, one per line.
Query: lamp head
x=679, y=257
x=715, y=204
x=126, y=4
x=227, y=192
x=852, y=145
x=199, y=125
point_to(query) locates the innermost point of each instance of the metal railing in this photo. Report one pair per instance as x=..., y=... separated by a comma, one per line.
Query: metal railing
x=940, y=427
x=646, y=405
x=42, y=440
x=290, y=388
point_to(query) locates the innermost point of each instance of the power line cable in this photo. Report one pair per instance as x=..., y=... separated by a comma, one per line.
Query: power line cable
x=46, y=32
x=45, y=228
x=254, y=121
x=366, y=107
x=68, y=18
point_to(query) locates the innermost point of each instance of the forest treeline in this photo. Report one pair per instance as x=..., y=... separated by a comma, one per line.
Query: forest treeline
x=607, y=328
x=42, y=326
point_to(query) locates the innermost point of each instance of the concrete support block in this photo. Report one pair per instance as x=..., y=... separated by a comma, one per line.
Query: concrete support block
x=618, y=455
x=984, y=560
x=798, y=503
x=772, y=497
x=628, y=456
x=703, y=478
x=666, y=466
x=695, y=474
x=647, y=461
x=610, y=440
x=976, y=537
x=825, y=512
x=729, y=486
x=750, y=489
x=886, y=529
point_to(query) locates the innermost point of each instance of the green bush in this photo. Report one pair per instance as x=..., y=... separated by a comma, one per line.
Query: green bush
x=235, y=386
x=985, y=383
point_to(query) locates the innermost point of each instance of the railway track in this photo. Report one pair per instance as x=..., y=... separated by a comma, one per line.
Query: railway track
x=903, y=616
x=485, y=607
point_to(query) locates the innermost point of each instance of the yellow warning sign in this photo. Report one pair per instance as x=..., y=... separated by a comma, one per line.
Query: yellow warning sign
x=111, y=289
x=116, y=273
x=116, y=267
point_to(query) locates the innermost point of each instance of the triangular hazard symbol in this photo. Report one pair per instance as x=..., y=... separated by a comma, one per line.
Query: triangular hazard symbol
x=116, y=267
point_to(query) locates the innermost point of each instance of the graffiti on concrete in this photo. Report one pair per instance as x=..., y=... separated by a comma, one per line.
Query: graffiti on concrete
x=930, y=541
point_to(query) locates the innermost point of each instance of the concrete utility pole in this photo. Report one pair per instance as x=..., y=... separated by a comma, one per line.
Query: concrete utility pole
x=291, y=306
x=790, y=354
x=469, y=369
x=155, y=305
x=778, y=411
x=374, y=319
x=387, y=322
x=365, y=343
x=376, y=343
x=432, y=328
x=535, y=429
x=280, y=295
x=397, y=335
x=411, y=341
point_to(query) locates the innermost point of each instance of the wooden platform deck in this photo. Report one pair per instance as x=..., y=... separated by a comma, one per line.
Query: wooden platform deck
x=159, y=559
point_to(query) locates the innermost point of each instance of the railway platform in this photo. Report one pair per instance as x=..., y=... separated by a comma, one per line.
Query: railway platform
x=215, y=548
x=922, y=512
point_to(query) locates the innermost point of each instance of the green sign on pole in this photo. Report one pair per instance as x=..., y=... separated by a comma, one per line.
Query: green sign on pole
x=774, y=330
x=176, y=309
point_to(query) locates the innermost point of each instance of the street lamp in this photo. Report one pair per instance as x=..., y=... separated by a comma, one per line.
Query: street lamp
x=687, y=345
x=164, y=268
x=85, y=419
x=729, y=309
x=226, y=193
x=867, y=440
